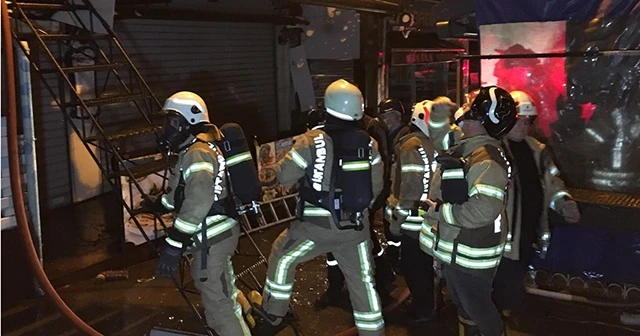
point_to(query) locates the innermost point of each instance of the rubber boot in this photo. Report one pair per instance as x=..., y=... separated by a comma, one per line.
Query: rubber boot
x=265, y=324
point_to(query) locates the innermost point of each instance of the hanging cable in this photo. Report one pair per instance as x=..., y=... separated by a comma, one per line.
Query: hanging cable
x=16, y=183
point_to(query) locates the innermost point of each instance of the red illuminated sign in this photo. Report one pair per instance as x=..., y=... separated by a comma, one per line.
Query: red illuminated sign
x=423, y=56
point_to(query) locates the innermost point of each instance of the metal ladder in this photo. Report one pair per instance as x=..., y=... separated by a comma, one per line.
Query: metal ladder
x=122, y=83
x=270, y=213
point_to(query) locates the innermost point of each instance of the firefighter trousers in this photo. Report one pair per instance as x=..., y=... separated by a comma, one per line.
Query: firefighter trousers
x=383, y=272
x=304, y=241
x=508, y=284
x=216, y=284
x=417, y=268
x=472, y=295
x=393, y=245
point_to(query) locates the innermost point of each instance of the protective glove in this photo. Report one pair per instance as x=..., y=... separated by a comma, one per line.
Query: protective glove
x=430, y=208
x=570, y=211
x=167, y=266
x=443, y=108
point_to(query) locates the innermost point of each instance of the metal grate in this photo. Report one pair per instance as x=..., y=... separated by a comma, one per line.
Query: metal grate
x=606, y=198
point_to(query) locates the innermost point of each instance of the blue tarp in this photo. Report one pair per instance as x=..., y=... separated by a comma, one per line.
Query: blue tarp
x=593, y=253
x=508, y=11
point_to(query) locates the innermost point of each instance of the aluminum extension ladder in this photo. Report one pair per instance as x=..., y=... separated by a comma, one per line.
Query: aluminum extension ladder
x=270, y=213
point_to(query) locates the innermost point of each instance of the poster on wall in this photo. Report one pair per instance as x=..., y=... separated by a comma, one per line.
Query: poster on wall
x=543, y=79
x=152, y=185
x=268, y=155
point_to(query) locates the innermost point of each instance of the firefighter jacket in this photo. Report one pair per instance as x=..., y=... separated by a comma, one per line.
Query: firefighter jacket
x=197, y=192
x=443, y=133
x=394, y=137
x=411, y=178
x=471, y=235
x=312, y=155
x=554, y=196
x=378, y=131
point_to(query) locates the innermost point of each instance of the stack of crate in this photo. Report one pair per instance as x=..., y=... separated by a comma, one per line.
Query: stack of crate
x=8, y=213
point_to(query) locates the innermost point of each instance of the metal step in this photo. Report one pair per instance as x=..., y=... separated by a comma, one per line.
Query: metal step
x=151, y=167
x=83, y=37
x=81, y=68
x=139, y=153
x=128, y=132
x=108, y=100
x=43, y=6
x=134, y=132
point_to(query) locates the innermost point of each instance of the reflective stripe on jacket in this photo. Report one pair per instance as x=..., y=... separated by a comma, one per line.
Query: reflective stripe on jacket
x=471, y=235
x=315, y=148
x=411, y=177
x=202, y=168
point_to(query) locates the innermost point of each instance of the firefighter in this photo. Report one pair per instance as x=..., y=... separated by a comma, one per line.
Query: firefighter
x=392, y=113
x=203, y=225
x=384, y=274
x=463, y=225
x=340, y=173
x=536, y=188
x=411, y=179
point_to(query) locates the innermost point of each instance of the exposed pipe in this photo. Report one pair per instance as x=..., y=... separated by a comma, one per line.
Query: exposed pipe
x=150, y=13
x=30, y=145
x=16, y=184
x=630, y=319
x=579, y=299
x=373, y=6
x=597, y=53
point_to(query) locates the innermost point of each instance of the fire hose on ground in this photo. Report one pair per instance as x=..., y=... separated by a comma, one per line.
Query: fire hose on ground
x=16, y=184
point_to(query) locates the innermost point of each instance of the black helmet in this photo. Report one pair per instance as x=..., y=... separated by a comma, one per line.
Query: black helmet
x=389, y=105
x=495, y=109
x=315, y=117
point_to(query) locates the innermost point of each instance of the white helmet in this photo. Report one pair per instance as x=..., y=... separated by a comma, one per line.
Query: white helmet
x=420, y=115
x=344, y=101
x=189, y=105
x=524, y=104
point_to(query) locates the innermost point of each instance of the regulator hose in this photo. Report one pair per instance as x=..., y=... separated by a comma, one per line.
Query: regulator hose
x=16, y=184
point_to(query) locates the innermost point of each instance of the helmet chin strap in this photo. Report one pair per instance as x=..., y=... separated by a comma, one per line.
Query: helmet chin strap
x=333, y=121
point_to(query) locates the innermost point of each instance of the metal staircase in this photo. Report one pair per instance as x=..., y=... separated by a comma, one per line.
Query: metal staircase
x=117, y=143
x=122, y=85
x=119, y=84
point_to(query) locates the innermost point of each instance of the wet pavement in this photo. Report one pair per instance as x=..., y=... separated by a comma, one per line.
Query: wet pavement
x=134, y=306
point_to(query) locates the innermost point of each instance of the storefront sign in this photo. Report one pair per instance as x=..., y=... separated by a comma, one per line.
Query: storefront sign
x=422, y=56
